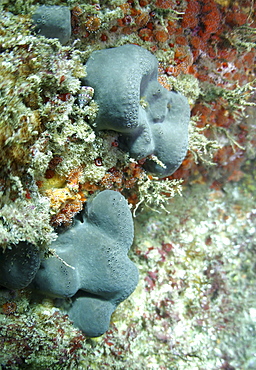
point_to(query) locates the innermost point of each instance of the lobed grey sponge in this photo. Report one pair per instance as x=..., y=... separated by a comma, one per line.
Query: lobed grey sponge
x=19, y=265
x=53, y=22
x=102, y=276
x=150, y=119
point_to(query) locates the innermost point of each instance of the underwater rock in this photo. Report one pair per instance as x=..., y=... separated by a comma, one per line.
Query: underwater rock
x=93, y=267
x=18, y=265
x=151, y=120
x=53, y=22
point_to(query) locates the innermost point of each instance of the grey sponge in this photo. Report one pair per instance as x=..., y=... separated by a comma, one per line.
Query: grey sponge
x=92, y=315
x=18, y=265
x=93, y=267
x=53, y=22
x=150, y=119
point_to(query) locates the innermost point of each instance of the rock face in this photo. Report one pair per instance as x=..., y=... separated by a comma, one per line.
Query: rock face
x=18, y=265
x=53, y=22
x=150, y=119
x=93, y=267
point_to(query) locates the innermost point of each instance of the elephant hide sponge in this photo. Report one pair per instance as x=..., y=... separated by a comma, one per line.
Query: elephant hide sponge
x=93, y=267
x=53, y=22
x=18, y=265
x=151, y=121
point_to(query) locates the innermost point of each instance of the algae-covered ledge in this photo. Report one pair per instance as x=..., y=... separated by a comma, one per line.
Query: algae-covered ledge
x=51, y=158
x=67, y=129
x=54, y=158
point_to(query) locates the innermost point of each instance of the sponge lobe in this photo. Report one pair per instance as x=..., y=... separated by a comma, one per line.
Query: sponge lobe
x=18, y=265
x=53, y=22
x=150, y=120
x=93, y=266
